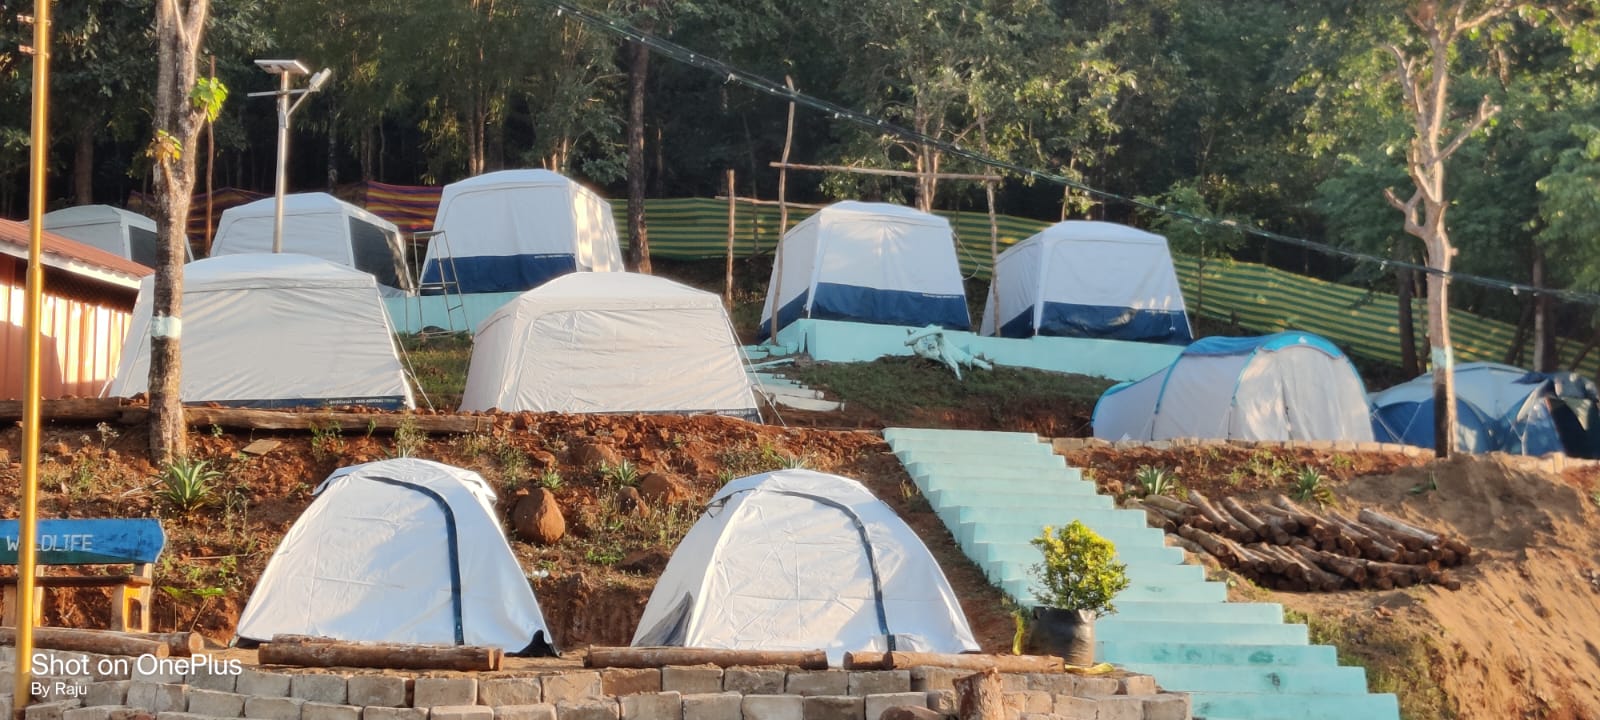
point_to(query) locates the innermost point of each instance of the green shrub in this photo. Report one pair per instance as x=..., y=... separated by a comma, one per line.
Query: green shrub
x=1079, y=570
x=186, y=485
x=1310, y=486
x=1155, y=481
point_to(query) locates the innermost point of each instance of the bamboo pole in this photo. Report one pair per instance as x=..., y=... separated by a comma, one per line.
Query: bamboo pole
x=727, y=283
x=775, y=292
x=28, y=521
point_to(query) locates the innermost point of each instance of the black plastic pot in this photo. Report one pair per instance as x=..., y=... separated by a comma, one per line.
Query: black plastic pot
x=1068, y=634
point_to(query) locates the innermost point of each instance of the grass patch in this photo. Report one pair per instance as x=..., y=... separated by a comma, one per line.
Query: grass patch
x=895, y=388
x=1397, y=660
x=439, y=364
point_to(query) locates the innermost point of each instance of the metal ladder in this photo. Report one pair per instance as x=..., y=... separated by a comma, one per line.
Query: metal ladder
x=447, y=286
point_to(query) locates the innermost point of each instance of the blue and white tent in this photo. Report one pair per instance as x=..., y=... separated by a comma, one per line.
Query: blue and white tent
x=1520, y=411
x=1287, y=386
x=273, y=331
x=870, y=263
x=319, y=225
x=514, y=230
x=1089, y=279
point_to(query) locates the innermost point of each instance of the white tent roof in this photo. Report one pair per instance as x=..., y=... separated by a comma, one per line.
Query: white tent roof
x=1102, y=279
x=609, y=342
x=95, y=215
x=1287, y=386
x=106, y=227
x=403, y=550
x=802, y=560
x=857, y=260
x=316, y=224
x=274, y=330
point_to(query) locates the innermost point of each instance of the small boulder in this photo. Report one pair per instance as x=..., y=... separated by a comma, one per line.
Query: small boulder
x=645, y=562
x=629, y=503
x=593, y=455
x=910, y=712
x=542, y=459
x=662, y=489
x=537, y=518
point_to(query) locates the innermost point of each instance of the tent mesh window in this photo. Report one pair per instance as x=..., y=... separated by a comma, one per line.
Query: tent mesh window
x=370, y=246
x=142, y=246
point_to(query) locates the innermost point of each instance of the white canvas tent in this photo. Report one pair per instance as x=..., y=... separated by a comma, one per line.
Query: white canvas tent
x=514, y=230
x=124, y=233
x=405, y=551
x=319, y=225
x=1288, y=386
x=274, y=331
x=1089, y=279
x=800, y=560
x=609, y=343
x=871, y=263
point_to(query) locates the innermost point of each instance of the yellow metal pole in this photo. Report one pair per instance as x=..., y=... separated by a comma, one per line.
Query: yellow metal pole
x=28, y=525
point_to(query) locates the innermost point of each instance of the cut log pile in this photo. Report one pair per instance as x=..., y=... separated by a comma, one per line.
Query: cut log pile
x=1284, y=546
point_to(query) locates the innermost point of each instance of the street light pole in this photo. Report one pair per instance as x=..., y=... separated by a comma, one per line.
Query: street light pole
x=285, y=70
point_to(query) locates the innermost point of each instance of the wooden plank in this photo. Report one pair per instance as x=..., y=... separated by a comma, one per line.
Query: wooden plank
x=655, y=657
x=93, y=541
x=104, y=642
x=73, y=409
x=1003, y=663
x=324, y=652
x=348, y=421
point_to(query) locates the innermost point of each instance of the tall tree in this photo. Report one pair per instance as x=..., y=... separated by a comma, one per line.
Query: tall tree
x=181, y=108
x=647, y=20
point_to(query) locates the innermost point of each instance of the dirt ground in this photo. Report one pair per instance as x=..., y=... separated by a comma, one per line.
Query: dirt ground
x=1520, y=639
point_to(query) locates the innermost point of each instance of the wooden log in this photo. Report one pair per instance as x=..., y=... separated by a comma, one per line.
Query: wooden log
x=866, y=660
x=1374, y=544
x=1158, y=518
x=898, y=660
x=1316, y=577
x=1213, y=544
x=1173, y=506
x=1349, y=568
x=655, y=657
x=350, y=422
x=179, y=644
x=398, y=656
x=1269, y=554
x=1447, y=579
x=1179, y=540
x=1421, y=537
x=104, y=642
x=1282, y=517
x=980, y=696
x=1256, y=523
x=1225, y=523
x=71, y=409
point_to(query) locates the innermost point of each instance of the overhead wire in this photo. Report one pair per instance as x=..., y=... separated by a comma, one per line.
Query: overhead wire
x=733, y=74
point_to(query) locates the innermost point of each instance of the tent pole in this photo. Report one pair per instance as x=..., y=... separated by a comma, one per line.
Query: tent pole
x=776, y=291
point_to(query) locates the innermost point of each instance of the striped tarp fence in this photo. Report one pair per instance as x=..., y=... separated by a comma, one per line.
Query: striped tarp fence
x=409, y=207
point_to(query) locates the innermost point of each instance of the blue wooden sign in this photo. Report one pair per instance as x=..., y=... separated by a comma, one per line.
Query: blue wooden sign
x=88, y=542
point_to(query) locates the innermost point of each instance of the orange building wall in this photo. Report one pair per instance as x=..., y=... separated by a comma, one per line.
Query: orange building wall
x=82, y=342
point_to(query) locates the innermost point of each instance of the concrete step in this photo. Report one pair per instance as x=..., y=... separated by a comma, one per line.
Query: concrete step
x=1300, y=707
x=1208, y=592
x=1114, y=629
x=973, y=447
x=1063, y=495
x=1134, y=652
x=1051, y=484
x=1137, y=574
x=935, y=435
x=1332, y=680
x=978, y=461
x=1021, y=517
x=1105, y=523
x=1127, y=540
x=1227, y=612
x=773, y=381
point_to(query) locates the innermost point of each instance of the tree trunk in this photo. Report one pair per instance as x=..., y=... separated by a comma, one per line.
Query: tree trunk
x=1404, y=283
x=83, y=165
x=1544, y=346
x=1441, y=353
x=333, y=145
x=179, y=28
x=638, y=73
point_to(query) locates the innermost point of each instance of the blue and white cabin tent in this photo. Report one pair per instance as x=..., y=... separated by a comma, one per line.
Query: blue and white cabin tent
x=867, y=262
x=404, y=551
x=1500, y=408
x=515, y=230
x=1287, y=386
x=274, y=331
x=1088, y=279
x=800, y=560
x=610, y=343
x=319, y=225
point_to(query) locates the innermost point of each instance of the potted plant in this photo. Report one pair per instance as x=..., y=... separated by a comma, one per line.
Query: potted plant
x=1077, y=579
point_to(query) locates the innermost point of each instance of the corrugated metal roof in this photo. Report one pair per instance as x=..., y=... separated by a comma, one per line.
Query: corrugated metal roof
x=72, y=256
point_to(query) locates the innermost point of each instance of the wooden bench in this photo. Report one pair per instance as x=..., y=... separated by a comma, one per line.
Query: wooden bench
x=135, y=542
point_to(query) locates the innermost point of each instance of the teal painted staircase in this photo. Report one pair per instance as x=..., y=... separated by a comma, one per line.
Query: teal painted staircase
x=1238, y=661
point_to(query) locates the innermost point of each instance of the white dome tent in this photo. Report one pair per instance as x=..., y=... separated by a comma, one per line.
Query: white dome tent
x=801, y=560
x=609, y=343
x=319, y=225
x=267, y=331
x=403, y=550
x=514, y=230
x=867, y=262
x=1088, y=279
x=123, y=233
x=1287, y=386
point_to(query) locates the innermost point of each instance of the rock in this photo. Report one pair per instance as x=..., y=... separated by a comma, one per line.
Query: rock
x=59, y=449
x=542, y=459
x=5, y=457
x=629, y=503
x=593, y=455
x=537, y=518
x=662, y=489
x=910, y=712
x=644, y=562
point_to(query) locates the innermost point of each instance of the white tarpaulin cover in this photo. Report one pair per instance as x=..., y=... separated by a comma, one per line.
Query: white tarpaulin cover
x=123, y=233
x=802, y=560
x=867, y=262
x=403, y=550
x=1083, y=278
x=513, y=230
x=1288, y=386
x=273, y=331
x=319, y=225
x=606, y=343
